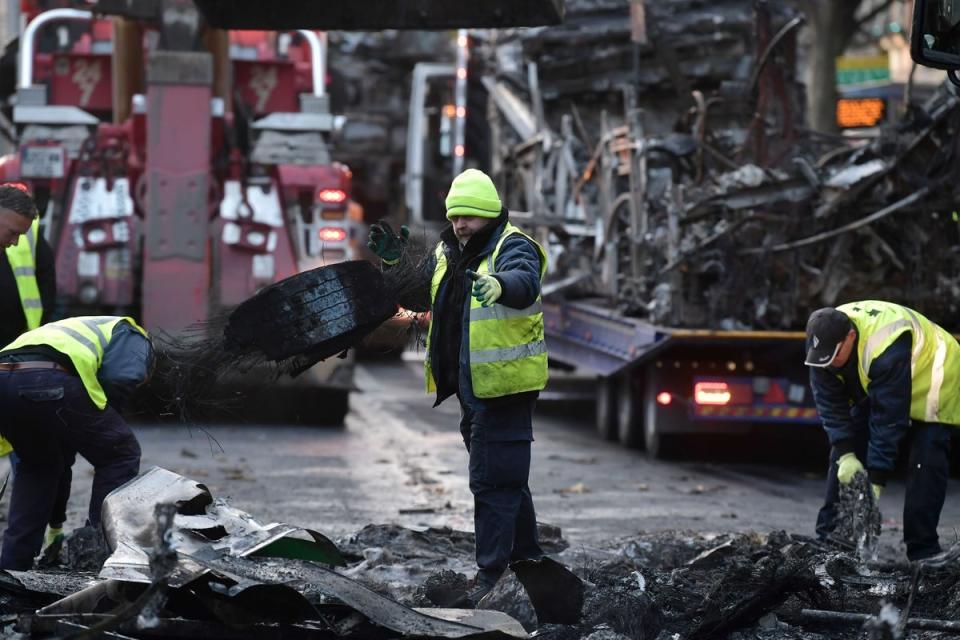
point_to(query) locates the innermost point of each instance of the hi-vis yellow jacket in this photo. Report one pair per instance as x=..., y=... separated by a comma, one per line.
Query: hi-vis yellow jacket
x=82, y=339
x=934, y=362
x=23, y=261
x=507, y=350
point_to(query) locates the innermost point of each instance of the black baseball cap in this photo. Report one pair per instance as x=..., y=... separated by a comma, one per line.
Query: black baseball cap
x=826, y=330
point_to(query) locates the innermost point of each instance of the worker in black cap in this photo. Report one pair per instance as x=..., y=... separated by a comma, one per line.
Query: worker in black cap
x=883, y=374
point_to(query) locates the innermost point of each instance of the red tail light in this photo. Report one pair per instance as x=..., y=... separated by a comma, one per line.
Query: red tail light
x=331, y=196
x=332, y=234
x=715, y=393
x=664, y=398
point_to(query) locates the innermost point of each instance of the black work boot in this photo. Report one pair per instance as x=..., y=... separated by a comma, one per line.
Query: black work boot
x=475, y=595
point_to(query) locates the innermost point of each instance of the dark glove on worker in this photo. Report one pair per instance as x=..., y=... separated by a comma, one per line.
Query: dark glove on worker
x=385, y=243
x=486, y=289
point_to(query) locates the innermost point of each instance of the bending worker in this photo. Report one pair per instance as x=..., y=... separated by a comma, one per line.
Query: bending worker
x=485, y=345
x=883, y=375
x=61, y=389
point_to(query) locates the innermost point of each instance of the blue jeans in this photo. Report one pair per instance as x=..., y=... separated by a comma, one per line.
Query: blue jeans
x=47, y=415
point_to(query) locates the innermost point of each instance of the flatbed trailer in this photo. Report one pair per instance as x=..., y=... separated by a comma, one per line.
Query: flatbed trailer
x=656, y=384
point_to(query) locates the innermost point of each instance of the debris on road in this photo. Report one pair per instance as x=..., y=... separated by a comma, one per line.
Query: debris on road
x=216, y=572
x=858, y=518
x=183, y=564
x=575, y=488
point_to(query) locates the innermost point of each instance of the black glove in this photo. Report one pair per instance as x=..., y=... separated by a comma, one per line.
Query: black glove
x=385, y=243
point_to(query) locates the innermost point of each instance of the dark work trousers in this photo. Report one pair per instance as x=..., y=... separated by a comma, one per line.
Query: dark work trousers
x=59, y=514
x=47, y=415
x=504, y=520
x=928, y=468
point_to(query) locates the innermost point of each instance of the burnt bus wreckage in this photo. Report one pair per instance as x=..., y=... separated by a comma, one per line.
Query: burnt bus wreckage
x=692, y=221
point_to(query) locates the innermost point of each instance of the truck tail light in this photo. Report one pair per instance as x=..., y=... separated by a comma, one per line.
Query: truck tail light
x=712, y=393
x=664, y=398
x=332, y=234
x=331, y=196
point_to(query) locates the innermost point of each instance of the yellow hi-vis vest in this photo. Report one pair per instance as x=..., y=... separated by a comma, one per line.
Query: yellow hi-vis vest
x=934, y=363
x=507, y=350
x=23, y=261
x=82, y=339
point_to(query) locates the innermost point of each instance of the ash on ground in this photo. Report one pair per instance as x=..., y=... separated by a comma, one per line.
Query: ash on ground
x=667, y=585
x=648, y=586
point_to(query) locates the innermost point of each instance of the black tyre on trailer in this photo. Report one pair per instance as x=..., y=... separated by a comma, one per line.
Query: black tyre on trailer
x=607, y=408
x=659, y=444
x=630, y=410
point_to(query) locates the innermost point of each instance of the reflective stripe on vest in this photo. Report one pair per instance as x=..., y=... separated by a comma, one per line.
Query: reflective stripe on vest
x=934, y=358
x=23, y=261
x=507, y=350
x=84, y=340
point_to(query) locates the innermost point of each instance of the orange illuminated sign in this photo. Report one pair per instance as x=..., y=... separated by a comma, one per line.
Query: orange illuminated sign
x=860, y=112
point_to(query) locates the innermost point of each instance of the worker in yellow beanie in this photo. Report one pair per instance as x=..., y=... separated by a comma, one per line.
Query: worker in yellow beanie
x=485, y=345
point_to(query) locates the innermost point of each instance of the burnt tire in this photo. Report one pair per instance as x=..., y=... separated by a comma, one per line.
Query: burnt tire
x=607, y=408
x=312, y=315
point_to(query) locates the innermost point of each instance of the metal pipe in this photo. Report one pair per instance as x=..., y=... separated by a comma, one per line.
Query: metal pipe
x=413, y=180
x=460, y=100
x=318, y=59
x=841, y=617
x=25, y=79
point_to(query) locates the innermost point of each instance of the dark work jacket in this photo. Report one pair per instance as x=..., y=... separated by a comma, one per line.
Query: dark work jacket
x=846, y=408
x=518, y=271
x=12, y=320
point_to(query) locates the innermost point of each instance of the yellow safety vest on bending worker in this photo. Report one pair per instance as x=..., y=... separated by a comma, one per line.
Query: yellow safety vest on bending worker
x=507, y=350
x=934, y=362
x=23, y=261
x=83, y=340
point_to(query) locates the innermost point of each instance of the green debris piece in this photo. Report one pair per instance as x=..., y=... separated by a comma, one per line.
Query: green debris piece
x=320, y=549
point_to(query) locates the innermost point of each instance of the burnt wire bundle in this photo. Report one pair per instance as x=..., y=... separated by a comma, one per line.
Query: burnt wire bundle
x=408, y=281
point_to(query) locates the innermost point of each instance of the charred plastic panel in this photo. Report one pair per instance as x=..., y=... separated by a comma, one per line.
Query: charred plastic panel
x=380, y=14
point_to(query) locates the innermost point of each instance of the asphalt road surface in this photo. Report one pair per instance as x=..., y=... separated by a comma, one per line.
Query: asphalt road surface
x=397, y=460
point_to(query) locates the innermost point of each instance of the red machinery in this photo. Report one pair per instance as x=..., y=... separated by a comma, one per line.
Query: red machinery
x=163, y=199
x=181, y=166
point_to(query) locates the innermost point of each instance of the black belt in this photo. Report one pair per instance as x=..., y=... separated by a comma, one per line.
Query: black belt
x=32, y=364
